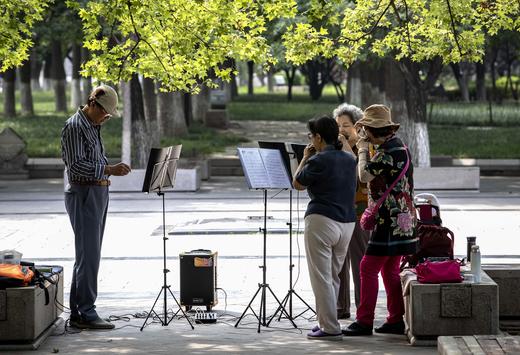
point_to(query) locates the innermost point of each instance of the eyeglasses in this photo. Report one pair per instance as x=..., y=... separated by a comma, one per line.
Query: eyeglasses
x=310, y=135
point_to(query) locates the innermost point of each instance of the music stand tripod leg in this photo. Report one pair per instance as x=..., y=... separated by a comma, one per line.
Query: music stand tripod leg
x=180, y=309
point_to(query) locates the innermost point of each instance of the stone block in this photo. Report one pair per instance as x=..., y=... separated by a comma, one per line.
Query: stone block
x=185, y=180
x=216, y=119
x=466, y=308
x=24, y=314
x=447, y=178
x=12, y=156
x=507, y=277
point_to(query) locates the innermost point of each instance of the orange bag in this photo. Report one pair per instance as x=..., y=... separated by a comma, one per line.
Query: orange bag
x=12, y=275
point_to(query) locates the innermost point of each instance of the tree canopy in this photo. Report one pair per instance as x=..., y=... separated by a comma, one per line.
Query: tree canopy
x=17, y=19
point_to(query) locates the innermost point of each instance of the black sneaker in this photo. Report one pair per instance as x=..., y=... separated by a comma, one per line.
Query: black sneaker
x=357, y=329
x=97, y=323
x=391, y=328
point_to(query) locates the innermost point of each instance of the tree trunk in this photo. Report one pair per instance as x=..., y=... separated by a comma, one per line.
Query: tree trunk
x=47, y=65
x=76, y=97
x=36, y=68
x=461, y=81
x=315, y=77
x=371, y=81
x=58, y=77
x=250, y=72
x=187, y=104
x=171, y=114
x=354, y=85
x=86, y=82
x=481, y=81
x=150, y=111
x=9, y=78
x=141, y=143
x=290, y=73
x=200, y=104
x=270, y=80
x=126, y=137
x=416, y=93
x=26, y=100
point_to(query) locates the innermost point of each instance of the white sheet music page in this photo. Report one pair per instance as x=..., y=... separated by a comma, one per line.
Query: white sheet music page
x=278, y=178
x=253, y=167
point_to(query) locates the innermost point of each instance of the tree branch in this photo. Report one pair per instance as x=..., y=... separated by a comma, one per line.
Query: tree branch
x=453, y=27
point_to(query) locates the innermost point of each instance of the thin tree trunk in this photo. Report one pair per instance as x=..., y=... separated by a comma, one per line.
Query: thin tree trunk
x=171, y=114
x=76, y=97
x=250, y=72
x=86, y=82
x=200, y=104
x=9, y=78
x=290, y=73
x=58, y=77
x=461, y=81
x=36, y=68
x=354, y=85
x=270, y=80
x=26, y=100
x=141, y=143
x=481, y=81
x=150, y=111
x=47, y=64
x=187, y=104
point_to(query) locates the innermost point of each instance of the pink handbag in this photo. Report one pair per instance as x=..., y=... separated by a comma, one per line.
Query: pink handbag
x=436, y=272
x=368, y=218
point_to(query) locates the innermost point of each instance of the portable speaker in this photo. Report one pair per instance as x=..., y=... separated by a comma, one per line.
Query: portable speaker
x=198, y=278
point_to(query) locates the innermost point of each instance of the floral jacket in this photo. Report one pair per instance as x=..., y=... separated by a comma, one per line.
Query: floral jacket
x=395, y=229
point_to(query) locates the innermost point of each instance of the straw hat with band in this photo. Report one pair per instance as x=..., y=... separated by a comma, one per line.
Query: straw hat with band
x=106, y=96
x=377, y=116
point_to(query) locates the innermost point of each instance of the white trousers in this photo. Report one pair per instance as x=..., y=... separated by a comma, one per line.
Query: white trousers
x=326, y=245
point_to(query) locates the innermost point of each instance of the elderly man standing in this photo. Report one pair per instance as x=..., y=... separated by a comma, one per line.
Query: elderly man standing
x=86, y=199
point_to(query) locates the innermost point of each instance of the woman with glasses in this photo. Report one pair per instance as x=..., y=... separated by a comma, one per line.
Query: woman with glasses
x=328, y=172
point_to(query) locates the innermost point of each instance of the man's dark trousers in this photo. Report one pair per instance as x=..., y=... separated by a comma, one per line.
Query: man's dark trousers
x=87, y=208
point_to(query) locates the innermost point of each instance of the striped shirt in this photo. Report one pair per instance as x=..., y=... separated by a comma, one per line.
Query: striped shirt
x=82, y=149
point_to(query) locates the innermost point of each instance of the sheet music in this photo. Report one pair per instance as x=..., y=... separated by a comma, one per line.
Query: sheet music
x=253, y=167
x=278, y=178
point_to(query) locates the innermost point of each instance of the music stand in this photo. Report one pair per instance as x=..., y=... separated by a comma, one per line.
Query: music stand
x=264, y=170
x=160, y=175
x=291, y=153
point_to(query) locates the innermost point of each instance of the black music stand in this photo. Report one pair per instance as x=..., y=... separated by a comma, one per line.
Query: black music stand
x=264, y=170
x=291, y=153
x=160, y=175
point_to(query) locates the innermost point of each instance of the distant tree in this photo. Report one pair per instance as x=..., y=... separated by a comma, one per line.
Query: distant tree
x=412, y=32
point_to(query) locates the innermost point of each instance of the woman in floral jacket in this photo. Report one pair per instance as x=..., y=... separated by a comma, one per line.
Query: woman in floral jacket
x=394, y=233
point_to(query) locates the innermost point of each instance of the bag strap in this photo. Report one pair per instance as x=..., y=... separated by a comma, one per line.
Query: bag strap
x=382, y=198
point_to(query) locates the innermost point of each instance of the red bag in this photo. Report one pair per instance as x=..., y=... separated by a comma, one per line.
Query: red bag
x=436, y=272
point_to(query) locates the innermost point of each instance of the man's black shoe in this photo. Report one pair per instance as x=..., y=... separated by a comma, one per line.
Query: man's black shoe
x=97, y=323
x=356, y=329
x=391, y=328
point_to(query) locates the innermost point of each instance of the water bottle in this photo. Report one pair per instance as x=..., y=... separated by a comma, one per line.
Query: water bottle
x=471, y=242
x=476, y=263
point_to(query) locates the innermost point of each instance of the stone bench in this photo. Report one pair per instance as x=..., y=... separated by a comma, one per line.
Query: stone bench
x=478, y=345
x=433, y=310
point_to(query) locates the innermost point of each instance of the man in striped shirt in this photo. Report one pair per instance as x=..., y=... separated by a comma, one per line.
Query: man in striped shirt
x=86, y=199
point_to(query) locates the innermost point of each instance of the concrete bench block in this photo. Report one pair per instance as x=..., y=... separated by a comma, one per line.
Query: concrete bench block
x=24, y=314
x=185, y=180
x=478, y=344
x=447, y=178
x=507, y=277
x=464, y=308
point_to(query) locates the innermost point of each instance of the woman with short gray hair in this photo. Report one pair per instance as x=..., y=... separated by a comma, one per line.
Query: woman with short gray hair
x=346, y=116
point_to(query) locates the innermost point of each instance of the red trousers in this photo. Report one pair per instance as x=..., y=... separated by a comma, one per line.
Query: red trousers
x=370, y=267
